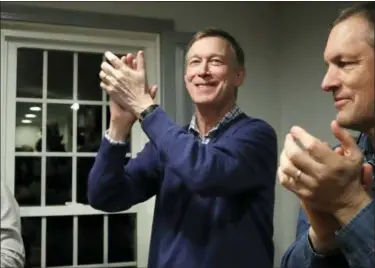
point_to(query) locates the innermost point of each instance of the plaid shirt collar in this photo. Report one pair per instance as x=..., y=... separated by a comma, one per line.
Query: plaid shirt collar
x=229, y=116
x=368, y=151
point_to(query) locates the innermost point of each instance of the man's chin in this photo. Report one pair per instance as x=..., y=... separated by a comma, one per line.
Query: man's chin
x=343, y=120
x=201, y=100
x=348, y=122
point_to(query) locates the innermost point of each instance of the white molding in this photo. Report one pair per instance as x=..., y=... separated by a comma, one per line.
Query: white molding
x=57, y=154
x=36, y=31
x=62, y=101
x=105, y=239
x=3, y=70
x=108, y=265
x=70, y=209
x=9, y=120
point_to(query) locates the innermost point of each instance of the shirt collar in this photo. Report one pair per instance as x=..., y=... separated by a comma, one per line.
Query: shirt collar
x=229, y=116
x=366, y=144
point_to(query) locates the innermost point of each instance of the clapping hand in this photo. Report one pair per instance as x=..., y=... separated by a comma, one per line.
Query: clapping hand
x=125, y=84
x=324, y=180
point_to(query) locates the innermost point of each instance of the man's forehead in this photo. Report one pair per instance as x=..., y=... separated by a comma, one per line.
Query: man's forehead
x=347, y=39
x=209, y=46
x=198, y=54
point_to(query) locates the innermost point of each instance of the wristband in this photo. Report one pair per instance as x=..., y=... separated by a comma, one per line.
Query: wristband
x=147, y=111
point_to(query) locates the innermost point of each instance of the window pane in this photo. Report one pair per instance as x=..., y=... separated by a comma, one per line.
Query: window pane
x=28, y=127
x=60, y=75
x=58, y=180
x=88, y=76
x=29, y=73
x=128, y=150
x=31, y=235
x=84, y=165
x=27, y=181
x=89, y=128
x=59, y=128
x=121, y=237
x=90, y=239
x=59, y=244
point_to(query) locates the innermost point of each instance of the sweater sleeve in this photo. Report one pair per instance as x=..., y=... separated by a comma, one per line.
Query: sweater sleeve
x=246, y=160
x=114, y=187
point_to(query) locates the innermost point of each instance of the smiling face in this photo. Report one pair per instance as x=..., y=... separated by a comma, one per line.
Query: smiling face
x=350, y=74
x=212, y=73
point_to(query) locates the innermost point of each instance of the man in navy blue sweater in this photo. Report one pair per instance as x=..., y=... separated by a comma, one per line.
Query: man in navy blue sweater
x=336, y=223
x=213, y=179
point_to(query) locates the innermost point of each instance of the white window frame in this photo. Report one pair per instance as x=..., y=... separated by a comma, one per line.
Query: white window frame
x=14, y=34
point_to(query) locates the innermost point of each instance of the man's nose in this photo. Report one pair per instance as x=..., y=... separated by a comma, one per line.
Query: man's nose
x=331, y=80
x=203, y=69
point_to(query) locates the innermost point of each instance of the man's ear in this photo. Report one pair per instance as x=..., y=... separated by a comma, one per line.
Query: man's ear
x=185, y=77
x=240, y=76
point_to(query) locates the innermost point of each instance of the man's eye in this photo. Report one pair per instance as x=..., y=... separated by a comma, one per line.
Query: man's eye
x=343, y=64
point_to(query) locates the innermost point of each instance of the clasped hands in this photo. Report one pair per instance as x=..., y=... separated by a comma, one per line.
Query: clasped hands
x=334, y=182
x=125, y=81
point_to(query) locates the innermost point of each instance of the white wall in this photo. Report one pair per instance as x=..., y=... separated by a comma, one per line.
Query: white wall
x=283, y=44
